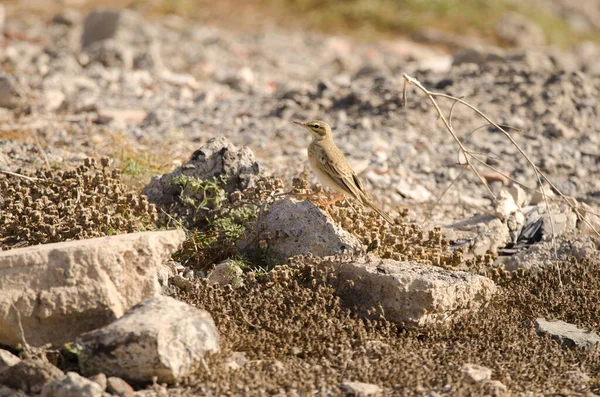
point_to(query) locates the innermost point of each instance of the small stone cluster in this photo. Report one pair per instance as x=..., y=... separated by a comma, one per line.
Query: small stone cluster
x=89, y=201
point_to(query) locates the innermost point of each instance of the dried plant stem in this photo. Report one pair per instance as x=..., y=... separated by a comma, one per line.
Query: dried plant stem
x=29, y=178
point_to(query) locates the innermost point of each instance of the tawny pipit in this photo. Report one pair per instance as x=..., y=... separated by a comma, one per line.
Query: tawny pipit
x=331, y=167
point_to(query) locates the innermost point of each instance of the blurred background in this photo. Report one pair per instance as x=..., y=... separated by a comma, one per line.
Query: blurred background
x=563, y=23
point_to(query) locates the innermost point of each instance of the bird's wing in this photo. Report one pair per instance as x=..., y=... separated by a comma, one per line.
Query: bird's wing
x=338, y=169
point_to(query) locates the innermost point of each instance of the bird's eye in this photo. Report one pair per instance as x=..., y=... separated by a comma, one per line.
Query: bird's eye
x=316, y=126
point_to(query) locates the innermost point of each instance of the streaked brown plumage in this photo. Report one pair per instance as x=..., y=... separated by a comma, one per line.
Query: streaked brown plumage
x=332, y=168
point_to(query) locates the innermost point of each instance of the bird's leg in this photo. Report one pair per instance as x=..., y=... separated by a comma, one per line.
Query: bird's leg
x=326, y=204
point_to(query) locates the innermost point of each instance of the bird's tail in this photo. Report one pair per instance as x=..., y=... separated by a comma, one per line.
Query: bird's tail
x=380, y=212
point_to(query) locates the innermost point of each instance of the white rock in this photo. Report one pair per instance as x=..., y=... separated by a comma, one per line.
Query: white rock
x=65, y=289
x=568, y=334
x=300, y=228
x=72, y=385
x=416, y=294
x=361, y=389
x=505, y=205
x=412, y=191
x=226, y=273
x=518, y=194
x=481, y=233
x=54, y=99
x=474, y=373
x=160, y=337
x=7, y=360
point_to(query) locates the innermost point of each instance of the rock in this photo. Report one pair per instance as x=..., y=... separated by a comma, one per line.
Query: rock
x=227, y=272
x=413, y=192
x=557, y=224
x=542, y=255
x=67, y=17
x=556, y=129
x=118, y=387
x=494, y=388
x=72, y=385
x=160, y=337
x=7, y=360
x=300, y=228
x=415, y=294
x=568, y=334
x=110, y=54
x=478, y=56
x=361, y=389
x=236, y=360
x=100, y=379
x=8, y=392
x=516, y=30
x=11, y=92
x=474, y=373
x=123, y=26
x=218, y=158
x=30, y=376
x=62, y=290
x=2, y=18
x=505, y=205
x=481, y=233
x=54, y=99
x=518, y=194
x=133, y=116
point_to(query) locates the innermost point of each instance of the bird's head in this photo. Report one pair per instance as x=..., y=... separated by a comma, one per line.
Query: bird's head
x=318, y=129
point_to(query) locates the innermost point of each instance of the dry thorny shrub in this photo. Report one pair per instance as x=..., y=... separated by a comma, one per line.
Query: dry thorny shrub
x=233, y=227
x=52, y=206
x=297, y=336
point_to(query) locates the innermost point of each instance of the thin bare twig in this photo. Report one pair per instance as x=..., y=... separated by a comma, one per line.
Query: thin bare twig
x=29, y=178
x=430, y=95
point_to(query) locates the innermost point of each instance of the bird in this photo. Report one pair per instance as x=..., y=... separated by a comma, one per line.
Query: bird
x=332, y=168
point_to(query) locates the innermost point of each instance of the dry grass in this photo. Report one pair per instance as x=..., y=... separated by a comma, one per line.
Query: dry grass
x=298, y=337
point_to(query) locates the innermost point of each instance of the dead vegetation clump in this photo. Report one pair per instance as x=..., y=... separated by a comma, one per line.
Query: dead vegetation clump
x=296, y=336
x=61, y=205
x=231, y=226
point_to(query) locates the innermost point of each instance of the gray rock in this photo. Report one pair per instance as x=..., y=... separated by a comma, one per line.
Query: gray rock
x=100, y=379
x=7, y=360
x=517, y=30
x=72, y=385
x=361, y=389
x=110, y=53
x=218, y=158
x=11, y=92
x=30, y=376
x=478, y=56
x=67, y=17
x=481, y=233
x=227, y=273
x=118, y=387
x=124, y=26
x=301, y=228
x=8, y=392
x=474, y=373
x=160, y=337
x=62, y=290
x=568, y=334
x=413, y=293
x=542, y=255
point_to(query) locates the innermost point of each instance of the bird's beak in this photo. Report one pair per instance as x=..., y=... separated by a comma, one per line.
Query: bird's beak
x=301, y=124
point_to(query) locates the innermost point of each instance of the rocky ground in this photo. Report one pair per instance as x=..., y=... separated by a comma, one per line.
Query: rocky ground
x=211, y=109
